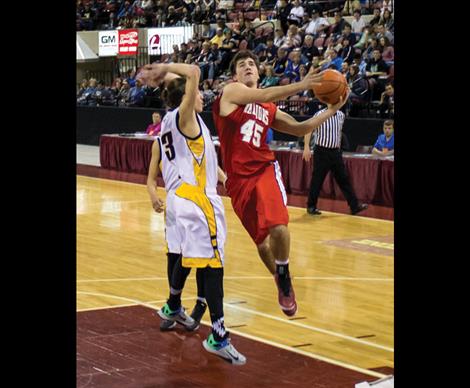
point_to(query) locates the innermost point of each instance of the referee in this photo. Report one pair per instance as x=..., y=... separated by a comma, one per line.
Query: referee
x=327, y=156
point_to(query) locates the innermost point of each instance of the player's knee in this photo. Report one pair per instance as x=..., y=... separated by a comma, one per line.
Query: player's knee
x=278, y=231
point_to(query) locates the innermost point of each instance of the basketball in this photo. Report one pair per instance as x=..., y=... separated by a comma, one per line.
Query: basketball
x=332, y=87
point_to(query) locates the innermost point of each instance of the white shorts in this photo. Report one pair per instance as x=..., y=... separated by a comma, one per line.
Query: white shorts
x=200, y=220
x=172, y=235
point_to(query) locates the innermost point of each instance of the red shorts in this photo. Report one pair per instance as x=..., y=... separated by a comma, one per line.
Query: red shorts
x=259, y=201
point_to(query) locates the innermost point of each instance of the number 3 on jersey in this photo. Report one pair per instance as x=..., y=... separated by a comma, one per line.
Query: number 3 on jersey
x=252, y=132
x=167, y=141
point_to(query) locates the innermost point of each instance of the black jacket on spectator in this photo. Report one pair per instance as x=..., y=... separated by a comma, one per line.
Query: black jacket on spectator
x=338, y=27
x=351, y=37
x=283, y=13
x=172, y=19
x=379, y=65
x=310, y=52
x=347, y=53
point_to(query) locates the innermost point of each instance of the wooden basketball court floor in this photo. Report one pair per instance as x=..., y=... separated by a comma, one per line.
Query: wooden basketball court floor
x=342, y=268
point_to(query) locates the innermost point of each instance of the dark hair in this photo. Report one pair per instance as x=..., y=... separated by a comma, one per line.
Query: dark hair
x=174, y=92
x=388, y=122
x=355, y=67
x=242, y=54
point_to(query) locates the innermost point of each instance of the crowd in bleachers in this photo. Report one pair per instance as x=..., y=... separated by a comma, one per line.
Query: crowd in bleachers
x=362, y=49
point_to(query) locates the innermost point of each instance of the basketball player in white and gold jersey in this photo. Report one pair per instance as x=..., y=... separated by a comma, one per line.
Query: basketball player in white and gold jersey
x=190, y=172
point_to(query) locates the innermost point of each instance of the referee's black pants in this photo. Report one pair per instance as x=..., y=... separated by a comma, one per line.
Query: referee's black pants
x=330, y=159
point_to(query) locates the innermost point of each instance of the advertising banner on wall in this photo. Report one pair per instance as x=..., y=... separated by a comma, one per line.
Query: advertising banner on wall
x=128, y=42
x=161, y=40
x=108, y=43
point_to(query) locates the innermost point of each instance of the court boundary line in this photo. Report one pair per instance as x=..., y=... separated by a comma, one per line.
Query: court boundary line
x=294, y=207
x=156, y=278
x=312, y=328
x=259, y=339
x=282, y=320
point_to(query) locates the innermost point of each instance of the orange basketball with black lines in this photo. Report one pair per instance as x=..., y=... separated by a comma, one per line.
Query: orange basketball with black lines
x=333, y=86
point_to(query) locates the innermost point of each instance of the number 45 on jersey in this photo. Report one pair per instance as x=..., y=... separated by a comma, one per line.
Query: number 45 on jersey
x=252, y=132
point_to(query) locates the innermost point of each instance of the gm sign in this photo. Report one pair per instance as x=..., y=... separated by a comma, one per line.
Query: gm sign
x=107, y=39
x=161, y=40
x=107, y=43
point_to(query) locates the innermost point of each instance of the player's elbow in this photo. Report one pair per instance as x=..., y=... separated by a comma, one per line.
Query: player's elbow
x=194, y=71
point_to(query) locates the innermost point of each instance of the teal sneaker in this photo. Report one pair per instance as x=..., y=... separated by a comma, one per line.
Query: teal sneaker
x=178, y=316
x=224, y=349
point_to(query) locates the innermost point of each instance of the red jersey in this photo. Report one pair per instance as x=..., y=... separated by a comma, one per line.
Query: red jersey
x=242, y=136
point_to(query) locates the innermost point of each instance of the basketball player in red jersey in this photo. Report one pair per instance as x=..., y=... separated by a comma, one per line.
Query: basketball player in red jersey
x=242, y=115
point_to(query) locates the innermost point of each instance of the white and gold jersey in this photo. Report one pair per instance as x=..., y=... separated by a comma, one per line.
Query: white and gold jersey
x=189, y=169
x=192, y=161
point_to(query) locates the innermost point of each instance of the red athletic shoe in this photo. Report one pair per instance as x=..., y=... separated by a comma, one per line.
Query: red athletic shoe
x=286, y=295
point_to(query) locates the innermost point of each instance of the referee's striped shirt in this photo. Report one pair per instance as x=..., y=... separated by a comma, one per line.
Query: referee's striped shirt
x=328, y=135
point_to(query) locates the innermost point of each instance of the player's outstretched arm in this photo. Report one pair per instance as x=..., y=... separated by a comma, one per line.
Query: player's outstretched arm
x=157, y=202
x=284, y=122
x=155, y=73
x=240, y=94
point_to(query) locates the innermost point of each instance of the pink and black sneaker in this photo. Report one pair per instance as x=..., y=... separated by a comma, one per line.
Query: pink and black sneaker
x=286, y=294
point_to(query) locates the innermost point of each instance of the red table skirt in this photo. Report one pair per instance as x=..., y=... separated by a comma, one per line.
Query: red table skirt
x=371, y=178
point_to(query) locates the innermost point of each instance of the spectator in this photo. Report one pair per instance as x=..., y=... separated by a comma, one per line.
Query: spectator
x=101, y=96
x=283, y=12
x=228, y=49
x=387, y=21
x=338, y=26
x=198, y=15
x=350, y=6
x=279, y=38
x=363, y=40
x=358, y=23
x=347, y=51
x=156, y=126
x=315, y=65
x=360, y=63
x=332, y=59
x=123, y=95
x=203, y=61
x=376, y=18
x=270, y=79
x=293, y=67
x=347, y=34
x=345, y=70
x=296, y=13
x=208, y=95
x=84, y=98
x=172, y=18
x=83, y=87
x=218, y=38
x=308, y=49
x=207, y=31
x=384, y=146
x=386, y=5
x=377, y=66
x=208, y=6
x=271, y=50
x=387, y=102
x=293, y=39
x=317, y=25
x=280, y=63
x=131, y=73
x=388, y=52
x=359, y=90
x=136, y=94
x=382, y=31
x=372, y=45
